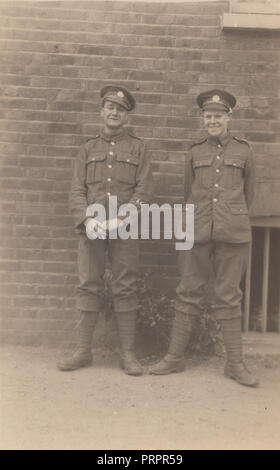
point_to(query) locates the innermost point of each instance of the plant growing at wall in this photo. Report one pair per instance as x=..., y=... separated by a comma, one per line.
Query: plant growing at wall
x=154, y=320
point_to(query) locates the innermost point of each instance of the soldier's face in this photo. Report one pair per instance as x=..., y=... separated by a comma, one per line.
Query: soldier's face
x=216, y=122
x=113, y=115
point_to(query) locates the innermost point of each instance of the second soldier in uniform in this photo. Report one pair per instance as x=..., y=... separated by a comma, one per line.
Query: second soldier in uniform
x=219, y=177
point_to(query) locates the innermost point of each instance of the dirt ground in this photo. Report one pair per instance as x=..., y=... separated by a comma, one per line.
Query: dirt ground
x=102, y=408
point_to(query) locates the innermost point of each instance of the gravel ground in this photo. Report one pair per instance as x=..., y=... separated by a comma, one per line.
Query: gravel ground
x=102, y=408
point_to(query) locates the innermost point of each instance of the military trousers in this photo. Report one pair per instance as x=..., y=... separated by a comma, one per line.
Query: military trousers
x=216, y=269
x=123, y=256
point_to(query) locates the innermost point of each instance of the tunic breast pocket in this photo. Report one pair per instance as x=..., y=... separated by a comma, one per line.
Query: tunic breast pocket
x=233, y=170
x=126, y=167
x=203, y=171
x=95, y=168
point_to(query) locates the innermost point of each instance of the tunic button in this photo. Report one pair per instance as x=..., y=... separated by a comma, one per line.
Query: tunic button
x=219, y=146
x=108, y=194
x=218, y=157
x=109, y=179
x=111, y=153
x=128, y=160
x=112, y=143
x=216, y=185
x=93, y=158
x=215, y=200
x=109, y=166
x=217, y=171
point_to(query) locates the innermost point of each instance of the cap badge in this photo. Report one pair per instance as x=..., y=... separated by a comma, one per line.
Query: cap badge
x=120, y=94
x=216, y=98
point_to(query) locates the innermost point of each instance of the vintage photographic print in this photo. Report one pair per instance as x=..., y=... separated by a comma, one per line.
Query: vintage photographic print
x=140, y=227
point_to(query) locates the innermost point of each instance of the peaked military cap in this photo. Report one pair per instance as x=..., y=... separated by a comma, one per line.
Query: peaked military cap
x=216, y=99
x=119, y=95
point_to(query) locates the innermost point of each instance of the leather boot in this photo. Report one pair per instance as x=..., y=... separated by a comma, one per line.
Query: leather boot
x=82, y=356
x=126, y=323
x=180, y=335
x=235, y=367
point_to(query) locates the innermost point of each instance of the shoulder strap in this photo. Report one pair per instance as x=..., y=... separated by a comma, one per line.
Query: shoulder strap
x=241, y=141
x=198, y=143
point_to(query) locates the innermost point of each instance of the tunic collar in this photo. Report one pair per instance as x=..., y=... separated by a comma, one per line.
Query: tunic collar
x=224, y=140
x=110, y=137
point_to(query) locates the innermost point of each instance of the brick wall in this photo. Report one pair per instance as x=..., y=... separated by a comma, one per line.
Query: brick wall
x=54, y=58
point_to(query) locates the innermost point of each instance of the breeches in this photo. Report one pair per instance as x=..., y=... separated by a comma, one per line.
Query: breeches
x=124, y=260
x=217, y=265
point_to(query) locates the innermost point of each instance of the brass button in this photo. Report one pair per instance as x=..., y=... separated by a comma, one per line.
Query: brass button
x=216, y=185
x=108, y=194
x=93, y=158
x=128, y=160
x=217, y=171
x=111, y=153
x=109, y=166
x=215, y=200
x=218, y=157
x=113, y=143
x=109, y=179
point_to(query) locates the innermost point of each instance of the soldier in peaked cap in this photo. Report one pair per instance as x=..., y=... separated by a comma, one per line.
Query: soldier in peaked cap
x=118, y=95
x=113, y=163
x=219, y=181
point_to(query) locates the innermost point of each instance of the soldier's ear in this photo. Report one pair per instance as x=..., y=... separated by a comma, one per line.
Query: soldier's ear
x=126, y=118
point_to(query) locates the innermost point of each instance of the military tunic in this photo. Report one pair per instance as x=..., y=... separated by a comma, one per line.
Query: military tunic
x=220, y=177
x=109, y=166
x=219, y=181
